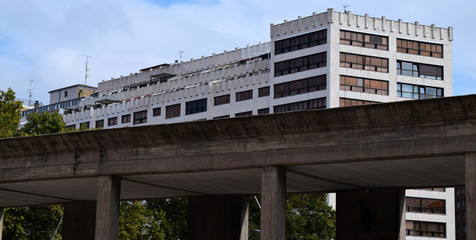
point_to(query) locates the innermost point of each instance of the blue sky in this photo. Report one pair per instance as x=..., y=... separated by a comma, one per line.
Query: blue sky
x=46, y=40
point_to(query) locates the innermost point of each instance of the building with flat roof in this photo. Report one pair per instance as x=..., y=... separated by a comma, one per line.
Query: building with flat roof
x=326, y=60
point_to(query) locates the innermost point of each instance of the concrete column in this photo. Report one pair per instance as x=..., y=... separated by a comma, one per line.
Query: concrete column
x=218, y=217
x=470, y=191
x=273, y=203
x=79, y=221
x=1, y=222
x=107, y=208
x=371, y=214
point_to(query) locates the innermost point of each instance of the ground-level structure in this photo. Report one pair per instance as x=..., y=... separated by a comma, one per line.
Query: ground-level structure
x=367, y=154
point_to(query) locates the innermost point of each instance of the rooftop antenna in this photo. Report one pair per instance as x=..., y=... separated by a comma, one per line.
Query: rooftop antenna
x=345, y=7
x=86, y=75
x=30, y=95
x=181, y=55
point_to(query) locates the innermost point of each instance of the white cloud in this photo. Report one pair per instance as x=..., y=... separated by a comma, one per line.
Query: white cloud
x=45, y=40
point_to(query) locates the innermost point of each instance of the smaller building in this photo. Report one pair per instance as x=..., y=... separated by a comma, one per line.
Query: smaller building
x=70, y=93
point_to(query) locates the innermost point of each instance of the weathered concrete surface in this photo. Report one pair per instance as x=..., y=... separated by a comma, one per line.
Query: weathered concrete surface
x=470, y=190
x=218, y=217
x=378, y=132
x=372, y=214
x=107, y=209
x=273, y=203
x=79, y=221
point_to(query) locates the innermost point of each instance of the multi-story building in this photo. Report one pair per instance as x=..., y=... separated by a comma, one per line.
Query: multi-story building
x=325, y=60
x=60, y=100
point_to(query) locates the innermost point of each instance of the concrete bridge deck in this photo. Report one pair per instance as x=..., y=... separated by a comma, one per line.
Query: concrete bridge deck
x=411, y=144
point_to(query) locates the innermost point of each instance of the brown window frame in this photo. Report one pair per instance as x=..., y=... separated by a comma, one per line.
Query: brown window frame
x=347, y=102
x=300, y=64
x=171, y=111
x=300, y=86
x=244, y=95
x=363, y=62
x=420, y=48
x=300, y=42
x=366, y=85
x=140, y=117
x=126, y=118
x=112, y=121
x=317, y=103
x=220, y=100
x=363, y=40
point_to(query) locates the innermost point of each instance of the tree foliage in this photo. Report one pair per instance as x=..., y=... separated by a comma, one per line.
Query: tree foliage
x=43, y=123
x=9, y=114
x=308, y=217
x=30, y=223
x=153, y=219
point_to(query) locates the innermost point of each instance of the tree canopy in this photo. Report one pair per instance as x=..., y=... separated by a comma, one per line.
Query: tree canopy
x=9, y=113
x=43, y=123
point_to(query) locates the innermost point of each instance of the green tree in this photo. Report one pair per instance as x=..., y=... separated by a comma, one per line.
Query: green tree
x=173, y=213
x=9, y=113
x=30, y=223
x=153, y=219
x=43, y=123
x=308, y=217
x=136, y=222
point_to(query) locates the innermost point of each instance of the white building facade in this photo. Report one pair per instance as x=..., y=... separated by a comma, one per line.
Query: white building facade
x=325, y=60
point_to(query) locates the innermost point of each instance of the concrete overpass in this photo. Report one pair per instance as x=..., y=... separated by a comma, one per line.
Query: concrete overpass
x=363, y=153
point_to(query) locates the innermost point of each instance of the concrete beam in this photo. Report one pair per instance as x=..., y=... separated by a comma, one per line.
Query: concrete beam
x=273, y=203
x=470, y=190
x=79, y=221
x=371, y=214
x=107, y=210
x=218, y=217
x=2, y=211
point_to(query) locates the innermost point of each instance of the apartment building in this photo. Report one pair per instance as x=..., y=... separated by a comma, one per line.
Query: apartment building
x=326, y=60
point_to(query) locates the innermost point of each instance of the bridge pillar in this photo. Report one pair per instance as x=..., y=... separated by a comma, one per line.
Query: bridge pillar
x=218, y=217
x=107, y=208
x=1, y=222
x=470, y=191
x=273, y=203
x=79, y=221
x=371, y=215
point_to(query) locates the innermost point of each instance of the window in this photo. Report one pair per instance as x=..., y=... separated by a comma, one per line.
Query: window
x=172, y=111
x=222, y=117
x=345, y=102
x=263, y=111
x=300, y=86
x=65, y=93
x=425, y=205
x=244, y=114
x=140, y=117
x=196, y=106
x=84, y=125
x=156, y=112
x=363, y=40
x=356, y=84
x=126, y=118
x=368, y=63
x=300, y=64
x=71, y=127
x=112, y=121
x=420, y=48
x=224, y=99
x=304, y=105
x=99, y=123
x=418, y=92
x=426, y=229
x=264, y=91
x=245, y=95
x=300, y=42
x=419, y=70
